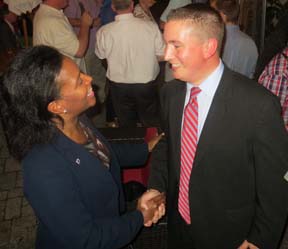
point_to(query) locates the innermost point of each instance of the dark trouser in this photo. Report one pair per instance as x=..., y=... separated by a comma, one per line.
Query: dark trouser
x=135, y=102
x=180, y=234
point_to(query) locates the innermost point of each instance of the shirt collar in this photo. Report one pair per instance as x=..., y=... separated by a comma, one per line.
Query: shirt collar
x=210, y=84
x=231, y=27
x=123, y=16
x=51, y=9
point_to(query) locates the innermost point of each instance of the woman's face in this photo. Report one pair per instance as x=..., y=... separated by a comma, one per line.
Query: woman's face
x=75, y=88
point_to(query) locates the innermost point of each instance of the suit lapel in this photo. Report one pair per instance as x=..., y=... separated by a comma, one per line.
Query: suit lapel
x=215, y=118
x=177, y=106
x=72, y=151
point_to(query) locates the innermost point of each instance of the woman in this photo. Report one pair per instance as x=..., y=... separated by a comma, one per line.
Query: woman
x=71, y=174
x=142, y=10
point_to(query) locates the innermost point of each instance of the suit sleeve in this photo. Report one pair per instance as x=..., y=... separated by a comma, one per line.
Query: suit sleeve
x=271, y=163
x=56, y=200
x=159, y=162
x=130, y=154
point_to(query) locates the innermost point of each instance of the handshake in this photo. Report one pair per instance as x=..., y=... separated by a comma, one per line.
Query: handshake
x=152, y=206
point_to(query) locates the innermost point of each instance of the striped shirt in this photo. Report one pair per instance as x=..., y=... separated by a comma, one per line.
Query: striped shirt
x=275, y=79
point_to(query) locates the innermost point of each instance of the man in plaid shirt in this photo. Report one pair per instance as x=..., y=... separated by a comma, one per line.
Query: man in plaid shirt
x=275, y=79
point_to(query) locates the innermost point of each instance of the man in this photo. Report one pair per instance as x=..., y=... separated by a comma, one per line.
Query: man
x=52, y=28
x=239, y=52
x=8, y=38
x=230, y=131
x=93, y=64
x=275, y=78
x=175, y=4
x=132, y=47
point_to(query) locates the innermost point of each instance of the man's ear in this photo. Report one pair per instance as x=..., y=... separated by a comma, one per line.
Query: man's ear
x=56, y=107
x=210, y=47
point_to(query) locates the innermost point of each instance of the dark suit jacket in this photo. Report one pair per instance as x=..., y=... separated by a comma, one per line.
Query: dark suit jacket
x=77, y=200
x=237, y=190
x=7, y=37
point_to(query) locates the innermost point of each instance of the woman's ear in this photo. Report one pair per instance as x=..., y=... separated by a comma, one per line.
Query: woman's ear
x=57, y=107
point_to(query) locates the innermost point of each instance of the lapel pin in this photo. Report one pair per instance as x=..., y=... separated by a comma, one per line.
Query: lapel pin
x=78, y=161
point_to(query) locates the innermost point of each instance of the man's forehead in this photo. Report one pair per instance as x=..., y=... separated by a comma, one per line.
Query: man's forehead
x=179, y=27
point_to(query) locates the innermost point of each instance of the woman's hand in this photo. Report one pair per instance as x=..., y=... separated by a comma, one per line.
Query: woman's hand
x=152, y=206
x=152, y=143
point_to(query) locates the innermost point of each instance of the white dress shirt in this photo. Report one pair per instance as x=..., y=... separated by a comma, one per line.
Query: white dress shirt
x=208, y=88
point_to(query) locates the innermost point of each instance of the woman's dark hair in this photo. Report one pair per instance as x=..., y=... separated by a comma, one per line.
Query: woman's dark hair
x=27, y=87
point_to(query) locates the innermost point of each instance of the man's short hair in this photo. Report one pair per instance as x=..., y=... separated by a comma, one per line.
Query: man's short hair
x=207, y=20
x=230, y=8
x=121, y=4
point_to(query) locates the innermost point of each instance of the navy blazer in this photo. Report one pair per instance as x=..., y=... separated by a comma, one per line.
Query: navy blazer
x=237, y=189
x=78, y=200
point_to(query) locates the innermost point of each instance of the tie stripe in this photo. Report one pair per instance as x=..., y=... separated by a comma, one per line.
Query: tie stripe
x=188, y=150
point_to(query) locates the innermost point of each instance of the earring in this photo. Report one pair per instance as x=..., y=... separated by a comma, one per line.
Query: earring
x=64, y=111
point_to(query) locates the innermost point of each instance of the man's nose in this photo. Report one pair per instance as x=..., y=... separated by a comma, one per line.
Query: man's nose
x=168, y=54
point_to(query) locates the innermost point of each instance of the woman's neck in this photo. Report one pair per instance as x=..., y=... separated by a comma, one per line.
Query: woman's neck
x=73, y=130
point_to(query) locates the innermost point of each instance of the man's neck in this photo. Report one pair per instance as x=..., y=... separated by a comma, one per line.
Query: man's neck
x=122, y=12
x=52, y=4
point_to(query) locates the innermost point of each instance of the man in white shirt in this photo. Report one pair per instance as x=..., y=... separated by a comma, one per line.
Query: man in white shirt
x=132, y=47
x=52, y=28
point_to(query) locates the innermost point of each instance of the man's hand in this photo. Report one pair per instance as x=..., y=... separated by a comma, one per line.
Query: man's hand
x=96, y=22
x=152, y=206
x=247, y=245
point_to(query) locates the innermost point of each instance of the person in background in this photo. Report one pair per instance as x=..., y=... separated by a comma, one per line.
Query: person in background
x=224, y=156
x=8, y=37
x=132, y=48
x=52, y=28
x=239, y=51
x=94, y=66
x=274, y=43
x=107, y=15
x=175, y=4
x=142, y=10
x=275, y=79
x=71, y=173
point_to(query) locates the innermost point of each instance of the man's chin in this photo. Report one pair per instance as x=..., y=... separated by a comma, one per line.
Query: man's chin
x=176, y=76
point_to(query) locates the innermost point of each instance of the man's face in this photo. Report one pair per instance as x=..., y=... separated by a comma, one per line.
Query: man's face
x=184, y=51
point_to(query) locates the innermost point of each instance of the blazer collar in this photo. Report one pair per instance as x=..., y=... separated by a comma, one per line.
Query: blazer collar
x=177, y=104
x=75, y=152
x=216, y=115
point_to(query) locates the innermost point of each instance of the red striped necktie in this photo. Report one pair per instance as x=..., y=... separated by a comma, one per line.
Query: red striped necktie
x=188, y=150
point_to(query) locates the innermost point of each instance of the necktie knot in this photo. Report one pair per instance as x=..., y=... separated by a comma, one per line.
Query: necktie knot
x=193, y=93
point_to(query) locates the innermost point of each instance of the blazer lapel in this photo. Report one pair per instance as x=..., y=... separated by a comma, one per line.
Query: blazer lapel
x=215, y=118
x=70, y=150
x=177, y=107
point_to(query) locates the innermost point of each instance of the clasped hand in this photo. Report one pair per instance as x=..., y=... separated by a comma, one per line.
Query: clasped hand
x=152, y=206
